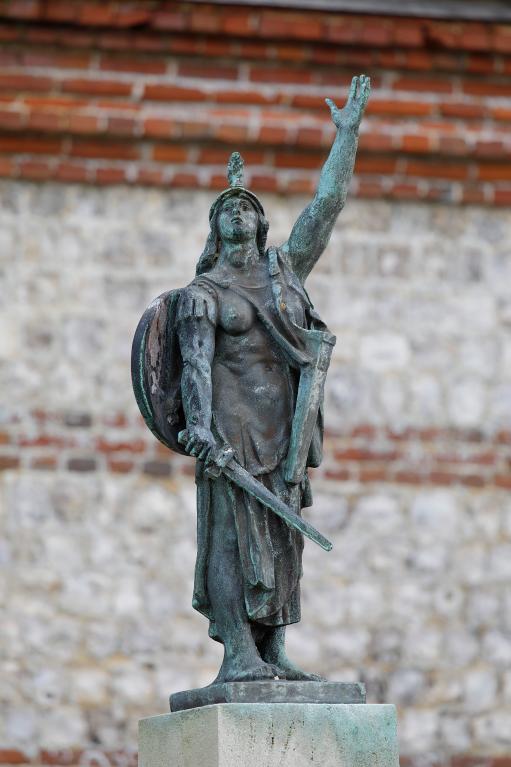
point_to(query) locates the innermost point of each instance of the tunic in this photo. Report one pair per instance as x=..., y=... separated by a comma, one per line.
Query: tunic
x=255, y=374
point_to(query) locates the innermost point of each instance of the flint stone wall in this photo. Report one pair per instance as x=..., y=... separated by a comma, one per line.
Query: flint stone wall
x=98, y=523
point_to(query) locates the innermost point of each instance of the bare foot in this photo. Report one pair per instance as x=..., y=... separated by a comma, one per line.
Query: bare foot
x=255, y=673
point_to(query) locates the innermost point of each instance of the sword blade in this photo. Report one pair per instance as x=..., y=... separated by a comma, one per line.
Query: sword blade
x=246, y=481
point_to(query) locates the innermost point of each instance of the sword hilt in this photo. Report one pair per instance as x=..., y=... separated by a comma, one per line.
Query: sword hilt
x=218, y=460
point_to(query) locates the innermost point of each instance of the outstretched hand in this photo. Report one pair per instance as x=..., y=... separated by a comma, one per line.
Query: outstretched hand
x=350, y=115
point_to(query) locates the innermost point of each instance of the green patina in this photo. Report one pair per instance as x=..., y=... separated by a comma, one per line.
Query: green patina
x=231, y=370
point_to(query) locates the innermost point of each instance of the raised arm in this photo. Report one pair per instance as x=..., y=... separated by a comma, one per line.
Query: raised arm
x=311, y=232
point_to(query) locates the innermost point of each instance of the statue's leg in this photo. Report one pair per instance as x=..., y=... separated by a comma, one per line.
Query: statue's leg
x=272, y=649
x=242, y=660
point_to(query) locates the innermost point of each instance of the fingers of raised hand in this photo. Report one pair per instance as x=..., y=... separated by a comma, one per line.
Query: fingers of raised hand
x=365, y=89
x=333, y=107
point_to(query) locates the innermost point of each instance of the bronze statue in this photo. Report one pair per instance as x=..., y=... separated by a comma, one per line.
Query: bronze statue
x=231, y=370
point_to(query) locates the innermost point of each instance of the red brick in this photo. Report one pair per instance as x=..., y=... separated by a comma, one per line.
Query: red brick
x=67, y=171
x=399, y=107
x=229, y=133
x=263, y=182
x=194, y=129
x=238, y=23
x=443, y=478
x=463, y=110
x=274, y=75
x=175, y=21
x=97, y=87
x=366, y=164
x=122, y=126
x=423, y=84
x=107, y=149
x=309, y=137
x=408, y=33
x=22, y=9
x=290, y=25
x=203, y=71
x=451, y=145
x=45, y=121
x=481, y=64
x=298, y=160
x=377, y=142
x=150, y=66
x=110, y=176
x=132, y=17
x=9, y=462
x=501, y=113
x=93, y=14
x=173, y=93
x=490, y=149
x=503, y=480
x=244, y=97
x=472, y=480
x=214, y=47
x=204, y=20
x=369, y=189
x=7, y=167
x=473, y=194
x=9, y=34
x=269, y=134
x=254, y=49
x=502, y=196
x=18, y=83
x=169, y=153
x=449, y=170
x=150, y=177
x=155, y=127
x=10, y=120
x=44, y=463
x=56, y=60
x=301, y=185
x=79, y=123
x=408, y=477
x=186, y=180
x=373, y=475
x=494, y=171
x=487, y=88
x=13, y=756
x=401, y=191
x=414, y=142
x=35, y=170
x=344, y=29
x=338, y=475
x=120, y=467
x=30, y=145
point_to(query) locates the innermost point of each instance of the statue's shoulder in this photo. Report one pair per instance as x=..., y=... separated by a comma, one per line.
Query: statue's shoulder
x=198, y=299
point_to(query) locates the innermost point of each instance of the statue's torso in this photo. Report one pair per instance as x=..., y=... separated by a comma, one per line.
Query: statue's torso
x=253, y=388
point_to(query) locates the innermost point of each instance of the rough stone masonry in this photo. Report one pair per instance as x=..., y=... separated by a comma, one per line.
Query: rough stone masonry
x=97, y=522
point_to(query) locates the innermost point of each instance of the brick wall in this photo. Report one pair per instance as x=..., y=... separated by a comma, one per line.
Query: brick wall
x=97, y=520
x=157, y=93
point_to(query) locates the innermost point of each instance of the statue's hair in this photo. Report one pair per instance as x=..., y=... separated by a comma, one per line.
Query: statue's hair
x=211, y=250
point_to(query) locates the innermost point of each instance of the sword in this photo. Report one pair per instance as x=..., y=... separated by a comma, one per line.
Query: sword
x=223, y=461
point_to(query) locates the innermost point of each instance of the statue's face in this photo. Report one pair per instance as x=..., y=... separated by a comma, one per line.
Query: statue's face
x=237, y=220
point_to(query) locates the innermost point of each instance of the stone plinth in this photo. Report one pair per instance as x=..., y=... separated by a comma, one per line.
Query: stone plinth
x=271, y=735
x=269, y=691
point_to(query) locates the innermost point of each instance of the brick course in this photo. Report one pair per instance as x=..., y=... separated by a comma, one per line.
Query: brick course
x=190, y=63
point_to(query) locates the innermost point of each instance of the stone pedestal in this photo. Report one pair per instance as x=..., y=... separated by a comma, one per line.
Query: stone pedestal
x=271, y=735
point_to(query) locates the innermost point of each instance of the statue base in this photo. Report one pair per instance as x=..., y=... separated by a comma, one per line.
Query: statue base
x=269, y=691
x=271, y=735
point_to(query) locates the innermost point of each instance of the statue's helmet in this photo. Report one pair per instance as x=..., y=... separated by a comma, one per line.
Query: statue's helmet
x=235, y=189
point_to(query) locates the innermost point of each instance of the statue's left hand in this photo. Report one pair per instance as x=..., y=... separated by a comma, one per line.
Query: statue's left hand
x=349, y=117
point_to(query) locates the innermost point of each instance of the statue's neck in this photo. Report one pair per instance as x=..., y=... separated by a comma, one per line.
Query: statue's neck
x=242, y=257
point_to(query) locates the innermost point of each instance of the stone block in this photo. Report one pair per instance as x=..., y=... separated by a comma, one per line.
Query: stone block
x=271, y=734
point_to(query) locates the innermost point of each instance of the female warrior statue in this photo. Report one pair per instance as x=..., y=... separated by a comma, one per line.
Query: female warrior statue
x=231, y=370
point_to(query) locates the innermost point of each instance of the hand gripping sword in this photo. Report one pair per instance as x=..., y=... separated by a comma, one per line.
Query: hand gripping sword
x=222, y=461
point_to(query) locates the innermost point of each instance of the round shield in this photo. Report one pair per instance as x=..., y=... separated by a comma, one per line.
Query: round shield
x=156, y=366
